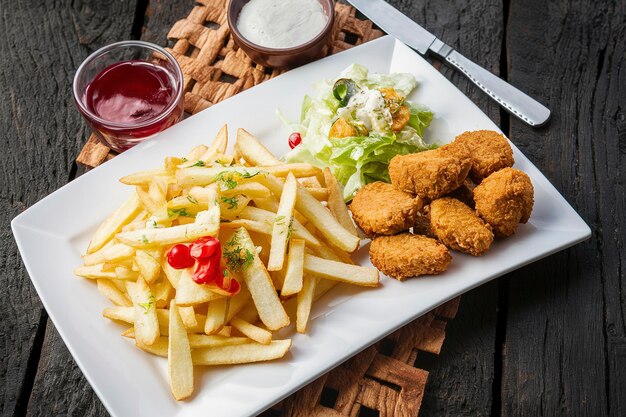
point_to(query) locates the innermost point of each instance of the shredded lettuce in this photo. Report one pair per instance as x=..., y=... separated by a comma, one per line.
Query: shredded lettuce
x=358, y=160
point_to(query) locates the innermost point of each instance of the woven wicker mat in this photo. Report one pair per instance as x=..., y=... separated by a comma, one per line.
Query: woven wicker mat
x=386, y=379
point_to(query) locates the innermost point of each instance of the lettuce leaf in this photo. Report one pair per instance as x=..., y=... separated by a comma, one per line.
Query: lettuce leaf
x=358, y=160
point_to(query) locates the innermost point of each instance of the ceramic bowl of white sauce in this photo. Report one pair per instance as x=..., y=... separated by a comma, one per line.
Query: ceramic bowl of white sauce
x=281, y=33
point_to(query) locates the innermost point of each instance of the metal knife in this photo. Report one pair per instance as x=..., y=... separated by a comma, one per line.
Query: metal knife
x=413, y=35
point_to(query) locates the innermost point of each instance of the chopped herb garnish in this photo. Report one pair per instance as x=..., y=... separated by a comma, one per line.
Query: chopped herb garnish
x=178, y=212
x=183, y=159
x=279, y=220
x=146, y=306
x=237, y=258
x=290, y=230
x=246, y=174
x=144, y=239
x=199, y=163
x=231, y=201
x=191, y=199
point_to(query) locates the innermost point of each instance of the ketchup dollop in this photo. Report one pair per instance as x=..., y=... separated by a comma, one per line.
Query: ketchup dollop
x=206, y=254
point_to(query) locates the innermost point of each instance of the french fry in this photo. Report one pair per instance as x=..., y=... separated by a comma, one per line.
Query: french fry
x=216, y=315
x=250, y=330
x=230, y=177
x=251, y=225
x=172, y=275
x=188, y=315
x=258, y=207
x=243, y=253
x=231, y=207
x=110, y=291
x=318, y=215
x=179, y=363
x=145, y=315
x=237, y=303
x=295, y=268
x=249, y=189
x=114, y=224
x=146, y=238
x=252, y=150
x=96, y=271
x=271, y=204
x=148, y=203
x=225, y=332
x=126, y=315
x=298, y=170
x=188, y=293
x=219, y=145
x=149, y=267
x=259, y=215
x=305, y=301
x=158, y=348
x=198, y=341
x=281, y=231
x=321, y=194
x=114, y=253
x=339, y=271
x=142, y=177
x=244, y=353
x=194, y=155
x=162, y=291
x=336, y=204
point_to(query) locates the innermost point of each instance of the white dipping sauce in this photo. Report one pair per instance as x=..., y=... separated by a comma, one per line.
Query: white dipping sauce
x=281, y=23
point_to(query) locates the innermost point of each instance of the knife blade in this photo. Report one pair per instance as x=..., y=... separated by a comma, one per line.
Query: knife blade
x=401, y=27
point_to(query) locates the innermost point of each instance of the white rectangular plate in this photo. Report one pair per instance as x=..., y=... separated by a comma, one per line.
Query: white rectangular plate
x=53, y=234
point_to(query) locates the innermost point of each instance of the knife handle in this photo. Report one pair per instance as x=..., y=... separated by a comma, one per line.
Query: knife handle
x=513, y=100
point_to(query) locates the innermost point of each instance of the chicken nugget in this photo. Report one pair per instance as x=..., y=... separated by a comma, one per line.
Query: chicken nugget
x=381, y=209
x=430, y=174
x=406, y=255
x=504, y=199
x=489, y=150
x=458, y=227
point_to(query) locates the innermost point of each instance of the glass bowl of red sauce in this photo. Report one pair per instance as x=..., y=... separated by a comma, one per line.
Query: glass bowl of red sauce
x=128, y=92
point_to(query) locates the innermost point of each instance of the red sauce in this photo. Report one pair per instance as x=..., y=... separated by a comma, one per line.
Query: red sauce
x=131, y=93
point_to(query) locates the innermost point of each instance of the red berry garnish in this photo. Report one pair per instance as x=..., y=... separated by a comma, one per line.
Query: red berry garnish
x=179, y=257
x=294, y=139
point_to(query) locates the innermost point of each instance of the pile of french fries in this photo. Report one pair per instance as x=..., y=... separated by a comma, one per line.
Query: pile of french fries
x=286, y=236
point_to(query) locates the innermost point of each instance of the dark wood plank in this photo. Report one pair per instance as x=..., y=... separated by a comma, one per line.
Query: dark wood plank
x=41, y=44
x=566, y=319
x=160, y=17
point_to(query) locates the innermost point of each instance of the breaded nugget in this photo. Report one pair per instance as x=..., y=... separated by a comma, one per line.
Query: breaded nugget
x=458, y=227
x=381, y=209
x=504, y=199
x=406, y=255
x=430, y=174
x=489, y=150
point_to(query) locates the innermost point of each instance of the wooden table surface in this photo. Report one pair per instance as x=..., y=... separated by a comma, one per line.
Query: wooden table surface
x=546, y=340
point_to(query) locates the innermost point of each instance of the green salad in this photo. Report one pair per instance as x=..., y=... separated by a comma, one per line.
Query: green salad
x=357, y=122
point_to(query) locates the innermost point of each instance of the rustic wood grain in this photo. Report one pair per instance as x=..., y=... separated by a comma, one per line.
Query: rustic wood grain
x=566, y=315
x=41, y=45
